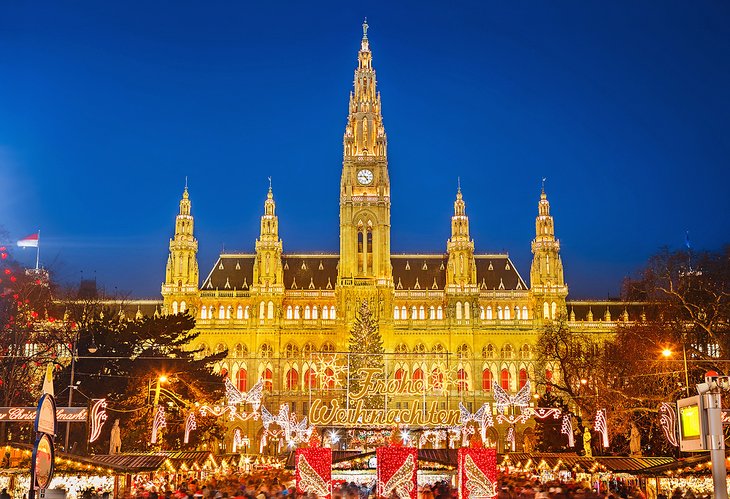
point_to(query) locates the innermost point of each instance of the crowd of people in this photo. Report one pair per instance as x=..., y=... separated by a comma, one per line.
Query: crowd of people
x=268, y=484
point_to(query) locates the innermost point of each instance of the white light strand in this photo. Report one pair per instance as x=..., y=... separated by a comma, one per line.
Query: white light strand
x=190, y=425
x=668, y=422
x=97, y=417
x=567, y=429
x=601, y=426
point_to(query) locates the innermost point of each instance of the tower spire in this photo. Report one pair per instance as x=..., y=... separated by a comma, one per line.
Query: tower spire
x=181, y=276
x=460, y=246
x=267, y=266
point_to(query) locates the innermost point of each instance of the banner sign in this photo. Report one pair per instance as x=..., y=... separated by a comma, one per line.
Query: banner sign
x=477, y=473
x=397, y=467
x=28, y=414
x=314, y=471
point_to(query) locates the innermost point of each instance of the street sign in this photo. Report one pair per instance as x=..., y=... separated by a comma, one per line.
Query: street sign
x=42, y=462
x=45, y=418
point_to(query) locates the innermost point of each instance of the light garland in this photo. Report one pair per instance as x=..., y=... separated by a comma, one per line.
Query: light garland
x=158, y=422
x=190, y=425
x=314, y=471
x=253, y=396
x=97, y=417
x=546, y=412
x=668, y=422
x=503, y=399
x=602, y=426
x=433, y=436
x=566, y=428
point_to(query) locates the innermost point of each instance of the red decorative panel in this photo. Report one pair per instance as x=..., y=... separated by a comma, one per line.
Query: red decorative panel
x=477, y=473
x=314, y=471
x=397, y=468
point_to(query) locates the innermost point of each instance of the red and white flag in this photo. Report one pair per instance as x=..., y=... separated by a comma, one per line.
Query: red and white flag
x=30, y=241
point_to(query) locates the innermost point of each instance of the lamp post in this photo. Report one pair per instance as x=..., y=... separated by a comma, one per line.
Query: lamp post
x=71, y=387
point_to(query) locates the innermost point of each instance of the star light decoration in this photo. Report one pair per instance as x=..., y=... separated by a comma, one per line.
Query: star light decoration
x=329, y=370
x=567, y=429
x=668, y=422
x=601, y=426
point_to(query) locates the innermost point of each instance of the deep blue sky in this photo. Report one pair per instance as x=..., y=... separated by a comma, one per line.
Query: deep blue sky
x=105, y=107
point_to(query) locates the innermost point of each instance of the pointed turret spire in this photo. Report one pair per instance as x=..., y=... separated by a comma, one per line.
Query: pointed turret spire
x=181, y=276
x=546, y=274
x=460, y=247
x=267, y=267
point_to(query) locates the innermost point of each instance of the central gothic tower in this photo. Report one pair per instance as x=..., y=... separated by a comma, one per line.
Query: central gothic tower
x=364, y=269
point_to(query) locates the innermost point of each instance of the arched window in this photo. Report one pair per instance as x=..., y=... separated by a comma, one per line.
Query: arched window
x=310, y=379
x=523, y=377
x=418, y=374
x=403, y=313
x=481, y=313
x=221, y=312
x=462, y=352
x=266, y=351
x=325, y=313
x=315, y=315
x=203, y=312
x=307, y=313
x=333, y=313
x=506, y=313
x=545, y=310
x=504, y=382
x=438, y=348
x=246, y=312
x=328, y=347
x=500, y=314
x=291, y=351
x=554, y=310
x=507, y=351
x=268, y=377
x=439, y=313
x=524, y=313
x=174, y=307
x=401, y=348
x=400, y=375
x=548, y=380
x=419, y=348
x=488, y=351
x=289, y=312
x=239, y=312
x=183, y=305
x=292, y=379
x=467, y=310
x=486, y=380
x=462, y=383
x=240, y=351
x=308, y=350
x=432, y=312
x=229, y=311
x=414, y=313
x=296, y=312
x=489, y=313
x=242, y=379
x=328, y=383
x=421, y=313
x=526, y=351
x=518, y=315
x=459, y=311
x=396, y=313
x=262, y=310
x=270, y=314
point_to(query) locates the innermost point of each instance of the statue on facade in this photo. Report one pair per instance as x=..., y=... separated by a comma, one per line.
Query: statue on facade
x=587, y=443
x=635, y=440
x=115, y=442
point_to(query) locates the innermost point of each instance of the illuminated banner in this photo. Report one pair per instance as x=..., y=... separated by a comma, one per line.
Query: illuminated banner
x=28, y=414
x=397, y=467
x=332, y=414
x=477, y=473
x=314, y=471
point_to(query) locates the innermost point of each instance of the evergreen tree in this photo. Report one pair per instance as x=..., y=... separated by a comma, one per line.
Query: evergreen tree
x=365, y=352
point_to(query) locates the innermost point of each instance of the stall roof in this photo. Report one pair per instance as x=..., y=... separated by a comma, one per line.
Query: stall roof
x=614, y=464
x=151, y=461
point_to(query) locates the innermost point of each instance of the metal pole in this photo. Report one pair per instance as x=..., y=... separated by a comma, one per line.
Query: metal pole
x=716, y=442
x=71, y=387
x=686, y=372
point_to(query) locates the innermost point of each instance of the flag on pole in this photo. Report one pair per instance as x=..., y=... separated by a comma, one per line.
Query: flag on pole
x=30, y=241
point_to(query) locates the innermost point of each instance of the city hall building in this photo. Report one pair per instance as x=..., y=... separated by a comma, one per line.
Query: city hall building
x=459, y=317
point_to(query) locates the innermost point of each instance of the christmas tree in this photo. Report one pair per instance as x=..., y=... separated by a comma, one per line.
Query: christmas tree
x=366, y=352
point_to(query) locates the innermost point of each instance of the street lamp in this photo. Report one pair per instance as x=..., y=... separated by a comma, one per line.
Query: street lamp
x=71, y=387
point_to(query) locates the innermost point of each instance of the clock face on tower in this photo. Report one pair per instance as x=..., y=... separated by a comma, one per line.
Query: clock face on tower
x=365, y=177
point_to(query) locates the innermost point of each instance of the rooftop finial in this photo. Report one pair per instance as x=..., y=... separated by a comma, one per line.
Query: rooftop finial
x=458, y=184
x=365, y=29
x=269, y=183
x=186, y=182
x=543, y=184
